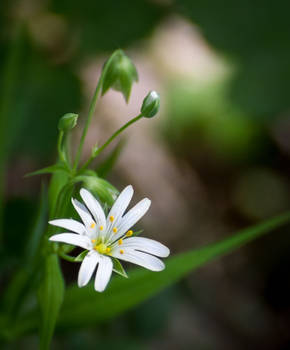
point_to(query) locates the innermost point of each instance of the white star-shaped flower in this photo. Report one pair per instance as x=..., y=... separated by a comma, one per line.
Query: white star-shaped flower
x=109, y=237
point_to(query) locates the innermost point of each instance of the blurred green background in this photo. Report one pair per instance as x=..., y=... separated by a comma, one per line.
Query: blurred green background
x=215, y=160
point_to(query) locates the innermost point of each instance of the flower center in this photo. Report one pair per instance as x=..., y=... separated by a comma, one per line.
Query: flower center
x=102, y=248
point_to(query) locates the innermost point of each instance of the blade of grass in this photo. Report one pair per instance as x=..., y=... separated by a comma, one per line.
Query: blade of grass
x=84, y=307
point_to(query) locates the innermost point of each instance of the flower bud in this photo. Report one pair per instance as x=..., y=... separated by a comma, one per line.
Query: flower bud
x=67, y=122
x=106, y=192
x=120, y=74
x=151, y=104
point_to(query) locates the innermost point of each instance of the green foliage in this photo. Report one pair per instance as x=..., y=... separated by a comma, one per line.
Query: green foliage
x=261, y=51
x=118, y=268
x=107, y=165
x=81, y=256
x=49, y=170
x=50, y=298
x=83, y=307
x=35, y=88
x=204, y=119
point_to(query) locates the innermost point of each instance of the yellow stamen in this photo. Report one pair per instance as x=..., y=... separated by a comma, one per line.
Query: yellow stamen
x=120, y=241
x=108, y=250
x=93, y=240
x=115, y=229
x=101, y=228
x=92, y=225
x=101, y=248
x=111, y=218
x=129, y=233
x=121, y=251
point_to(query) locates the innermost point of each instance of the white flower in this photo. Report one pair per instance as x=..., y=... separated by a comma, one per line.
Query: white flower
x=109, y=237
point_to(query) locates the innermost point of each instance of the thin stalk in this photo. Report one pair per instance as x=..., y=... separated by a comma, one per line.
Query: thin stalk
x=86, y=127
x=91, y=111
x=59, y=147
x=99, y=150
x=66, y=257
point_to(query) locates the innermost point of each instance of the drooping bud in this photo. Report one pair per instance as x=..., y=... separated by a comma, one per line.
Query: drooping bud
x=150, y=105
x=100, y=187
x=120, y=74
x=67, y=122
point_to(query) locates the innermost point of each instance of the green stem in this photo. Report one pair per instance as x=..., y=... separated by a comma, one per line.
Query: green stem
x=99, y=150
x=92, y=110
x=66, y=257
x=86, y=127
x=61, y=153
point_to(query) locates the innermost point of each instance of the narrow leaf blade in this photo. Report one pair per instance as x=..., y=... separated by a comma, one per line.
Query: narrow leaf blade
x=48, y=170
x=50, y=298
x=83, y=307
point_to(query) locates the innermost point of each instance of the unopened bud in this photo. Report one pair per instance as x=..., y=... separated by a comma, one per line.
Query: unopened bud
x=67, y=122
x=150, y=105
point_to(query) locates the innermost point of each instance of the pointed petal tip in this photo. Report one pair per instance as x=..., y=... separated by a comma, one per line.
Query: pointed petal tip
x=53, y=238
x=129, y=188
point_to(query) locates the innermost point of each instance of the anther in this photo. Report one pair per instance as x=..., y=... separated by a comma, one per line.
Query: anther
x=101, y=228
x=129, y=233
x=121, y=251
x=108, y=250
x=92, y=225
x=111, y=218
x=115, y=229
x=93, y=240
x=120, y=241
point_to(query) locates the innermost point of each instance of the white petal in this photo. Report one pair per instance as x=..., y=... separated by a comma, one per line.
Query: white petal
x=94, y=207
x=73, y=239
x=87, y=268
x=69, y=224
x=104, y=273
x=83, y=212
x=146, y=245
x=148, y=261
x=119, y=207
x=133, y=215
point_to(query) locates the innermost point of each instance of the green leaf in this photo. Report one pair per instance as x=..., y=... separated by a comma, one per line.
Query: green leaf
x=48, y=170
x=107, y=165
x=81, y=256
x=82, y=307
x=33, y=243
x=50, y=298
x=21, y=282
x=118, y=268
